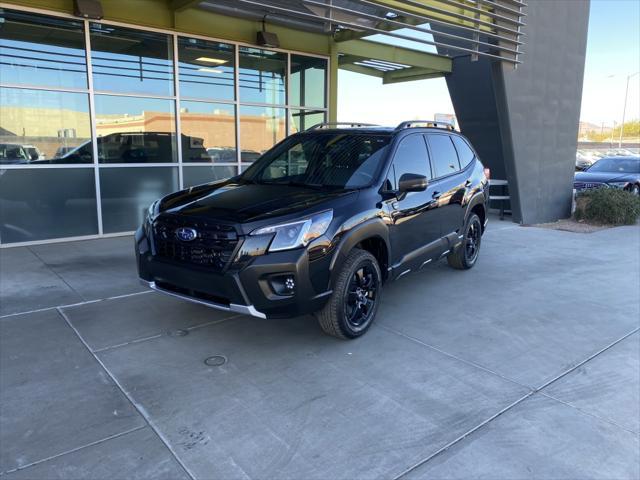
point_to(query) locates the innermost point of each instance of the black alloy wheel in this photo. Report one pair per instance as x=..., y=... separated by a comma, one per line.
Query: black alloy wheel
x=356, y=296
x=465, y=255
x=472, y=240
x=361, y=296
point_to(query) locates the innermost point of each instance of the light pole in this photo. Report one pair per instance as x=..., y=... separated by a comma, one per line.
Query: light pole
x=624, y=107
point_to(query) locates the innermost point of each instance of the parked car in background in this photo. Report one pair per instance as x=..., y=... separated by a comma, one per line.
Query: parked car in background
x=249, y=155
x=586, y=158
x=133, y=147
x=619, y=152
x=319, y=223
x=13, y=153
x=611, y=172
x=33, y=152
x=62, y=151
x=222, y=155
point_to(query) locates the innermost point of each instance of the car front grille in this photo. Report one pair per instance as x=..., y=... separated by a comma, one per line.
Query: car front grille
x=213, y=245
x=587, y=185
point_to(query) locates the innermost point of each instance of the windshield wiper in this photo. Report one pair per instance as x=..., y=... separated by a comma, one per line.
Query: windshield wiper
x=292, y=183
x=304, y=184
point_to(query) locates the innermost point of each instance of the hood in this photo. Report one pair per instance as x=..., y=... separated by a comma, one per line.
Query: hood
x=242, y=203
x=604, y=177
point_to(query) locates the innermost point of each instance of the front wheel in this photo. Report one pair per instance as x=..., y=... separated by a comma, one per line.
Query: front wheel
x=353, y=305
x=466, y=254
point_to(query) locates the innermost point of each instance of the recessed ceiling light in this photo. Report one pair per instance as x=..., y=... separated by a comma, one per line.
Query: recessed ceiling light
x=212, y=70
x=217, y=61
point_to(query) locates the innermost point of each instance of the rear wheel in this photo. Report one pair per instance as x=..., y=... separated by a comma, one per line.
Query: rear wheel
x=466, y=254
x=353, y=305
x=635, y=189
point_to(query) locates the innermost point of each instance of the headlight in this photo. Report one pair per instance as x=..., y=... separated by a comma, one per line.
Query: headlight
x=618, y=184
x=296, y=234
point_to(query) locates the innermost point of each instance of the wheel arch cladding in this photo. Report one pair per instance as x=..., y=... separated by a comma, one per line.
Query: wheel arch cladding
x=372, y=236
x=479, y=210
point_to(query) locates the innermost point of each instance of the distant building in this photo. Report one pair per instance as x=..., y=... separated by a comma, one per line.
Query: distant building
x=446, y=118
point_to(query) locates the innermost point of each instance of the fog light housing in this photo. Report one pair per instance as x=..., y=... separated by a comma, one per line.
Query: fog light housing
x=290, y=284
x=284, y=285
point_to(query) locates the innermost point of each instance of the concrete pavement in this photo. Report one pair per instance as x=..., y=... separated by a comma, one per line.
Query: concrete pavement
x=527, y=366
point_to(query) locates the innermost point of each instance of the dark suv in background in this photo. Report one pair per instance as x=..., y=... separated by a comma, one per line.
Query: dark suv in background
x=319, y=223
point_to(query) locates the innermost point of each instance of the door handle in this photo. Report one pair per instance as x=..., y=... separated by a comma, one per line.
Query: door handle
x=436, y=195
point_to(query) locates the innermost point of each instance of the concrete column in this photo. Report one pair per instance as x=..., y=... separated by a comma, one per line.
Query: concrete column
x=524, y=121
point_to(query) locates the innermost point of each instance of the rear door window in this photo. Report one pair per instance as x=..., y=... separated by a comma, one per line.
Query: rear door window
x=444, y=157
x=411, y=157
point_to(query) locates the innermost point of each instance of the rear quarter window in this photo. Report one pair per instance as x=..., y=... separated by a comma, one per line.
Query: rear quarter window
x=444, y=156
x=465, y=154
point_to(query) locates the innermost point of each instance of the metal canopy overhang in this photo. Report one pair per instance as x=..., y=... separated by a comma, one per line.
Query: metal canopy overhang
x=477, y=28
x=392, y=64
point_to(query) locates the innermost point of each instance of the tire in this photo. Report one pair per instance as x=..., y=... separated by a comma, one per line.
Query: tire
x=352, y=291
x=635, y=190
x=465, y=255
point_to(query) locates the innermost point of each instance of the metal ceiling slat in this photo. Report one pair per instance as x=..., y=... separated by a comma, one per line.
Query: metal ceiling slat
x=357, y=26
x=382, y=69
x=465, y=6
x=381, y=65
x=425, y=19
x=412, y=27
x=504, y=8
x=447, y=13
x=388, y=64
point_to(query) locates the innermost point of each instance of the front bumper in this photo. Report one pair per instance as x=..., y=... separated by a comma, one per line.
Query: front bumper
x=247, y=289
x=232, y=307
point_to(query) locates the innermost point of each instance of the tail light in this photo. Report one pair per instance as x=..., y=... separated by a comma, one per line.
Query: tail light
x=487, y=173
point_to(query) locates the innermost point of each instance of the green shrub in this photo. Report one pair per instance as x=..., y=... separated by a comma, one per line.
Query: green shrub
x=608, y=206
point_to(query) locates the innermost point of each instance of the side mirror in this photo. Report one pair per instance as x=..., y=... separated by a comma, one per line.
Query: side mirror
x=412, y=182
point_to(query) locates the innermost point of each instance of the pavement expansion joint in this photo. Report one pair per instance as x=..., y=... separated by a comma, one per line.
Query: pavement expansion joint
x=141, y=411
x=509, y=407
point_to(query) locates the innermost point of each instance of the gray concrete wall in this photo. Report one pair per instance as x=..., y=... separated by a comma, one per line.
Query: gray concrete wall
x=524, y=121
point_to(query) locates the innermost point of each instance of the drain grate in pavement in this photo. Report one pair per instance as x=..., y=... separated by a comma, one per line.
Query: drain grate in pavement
x=215, y=360
x=178, y=332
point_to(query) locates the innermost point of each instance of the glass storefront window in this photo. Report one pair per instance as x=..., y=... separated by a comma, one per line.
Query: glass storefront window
x=46, y=118
x=260, y=129
x=308, y=81
x=41, y=51
x=135, y=130
x=131, y=61
x=300, y=120
x=262, y=76
x=43, y=127
x=198, y=175
x=46, y=203
x=206, y=69
x=126, y=192
x=208, y=132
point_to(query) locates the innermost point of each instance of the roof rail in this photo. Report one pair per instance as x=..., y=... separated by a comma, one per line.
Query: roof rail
x=337, y=124
x=424, y=123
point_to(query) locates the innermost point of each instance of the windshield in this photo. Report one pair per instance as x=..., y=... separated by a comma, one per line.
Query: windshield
x=334, y=160
x=619, y=165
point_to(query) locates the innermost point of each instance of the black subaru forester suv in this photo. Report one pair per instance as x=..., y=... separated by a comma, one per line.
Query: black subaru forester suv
x=319, y=223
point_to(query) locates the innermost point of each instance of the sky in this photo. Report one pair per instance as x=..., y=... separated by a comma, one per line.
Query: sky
x=613, y=53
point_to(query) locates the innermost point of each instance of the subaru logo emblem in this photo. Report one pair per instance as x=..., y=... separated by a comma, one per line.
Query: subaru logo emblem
x=186, y=234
